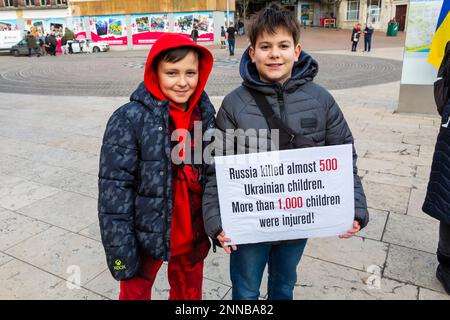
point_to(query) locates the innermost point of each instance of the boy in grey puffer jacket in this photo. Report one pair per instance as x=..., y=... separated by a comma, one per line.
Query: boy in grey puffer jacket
x=275, y=66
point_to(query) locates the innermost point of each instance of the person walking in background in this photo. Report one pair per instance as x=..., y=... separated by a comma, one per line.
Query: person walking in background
x=32, y=44
x=51, y=43
x=355, y=36
x=194, y=33
x=231, y=37
x=41, y=41
x=223, y=35
x=368, y=32
x=240, y=26
x=437, y=200
x=67, y=39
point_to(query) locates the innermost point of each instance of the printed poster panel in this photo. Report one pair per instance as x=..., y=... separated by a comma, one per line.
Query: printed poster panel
x=205, y=25
x=108, y=29
x=307, y=14
x=44, y=26
x=184, y=23
x=78, y=28
x=148, y=28
x=230, y=17
x=285, y=195
x=422, y=20
x=8, y=25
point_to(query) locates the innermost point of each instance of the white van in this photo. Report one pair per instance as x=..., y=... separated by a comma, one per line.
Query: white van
x=9, y=38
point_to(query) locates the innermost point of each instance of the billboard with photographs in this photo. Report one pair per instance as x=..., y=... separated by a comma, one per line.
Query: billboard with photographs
x=185, y=22
x=108, y=29
x=78, y=28
x=146, y=29
x=46, y=26
x=8, y=25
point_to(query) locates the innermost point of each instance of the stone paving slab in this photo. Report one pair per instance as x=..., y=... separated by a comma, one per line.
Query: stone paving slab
x=92, y=231
x=386, y=167
x=386, y=197
x=80, y=143
x=322, y=280
x=55, y=250
x=105, y=285
x=396, y=180
x=412, y=232
x=352, y=253
x=375, y=229
x=4, y=258
x=412, y=266
x=415, y=204
x=16, y=193
x=15, y=228
x=425, y=294
x=24, y=282
x=31, y=170
x=66, y=210
x=82, y=183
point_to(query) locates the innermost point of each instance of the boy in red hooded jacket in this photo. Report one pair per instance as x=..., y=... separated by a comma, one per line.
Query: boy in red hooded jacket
x=150, y=192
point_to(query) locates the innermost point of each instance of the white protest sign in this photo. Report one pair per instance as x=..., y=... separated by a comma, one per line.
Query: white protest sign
x=284, y=195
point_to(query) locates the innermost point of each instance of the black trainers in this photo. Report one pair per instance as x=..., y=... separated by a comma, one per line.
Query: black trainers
x=444, y=277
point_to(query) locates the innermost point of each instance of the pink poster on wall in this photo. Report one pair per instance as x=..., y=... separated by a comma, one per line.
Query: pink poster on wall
x=146, y=29
x=108, y=29
x=78, y=28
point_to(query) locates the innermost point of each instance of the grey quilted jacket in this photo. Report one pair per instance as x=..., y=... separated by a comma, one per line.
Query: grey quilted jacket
x=306, y=107
x=135, y=179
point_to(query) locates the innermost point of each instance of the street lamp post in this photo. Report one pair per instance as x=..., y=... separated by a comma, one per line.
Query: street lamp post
x=228, y=13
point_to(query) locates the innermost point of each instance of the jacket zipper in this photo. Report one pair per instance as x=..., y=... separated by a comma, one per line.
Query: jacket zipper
x=166, y=202
x=280, y=98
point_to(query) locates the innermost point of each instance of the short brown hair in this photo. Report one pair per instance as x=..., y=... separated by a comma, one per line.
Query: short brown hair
x=174, y=55
x=271, y=18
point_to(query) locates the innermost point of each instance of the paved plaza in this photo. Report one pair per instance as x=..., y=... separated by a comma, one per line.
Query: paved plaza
x=53, y=112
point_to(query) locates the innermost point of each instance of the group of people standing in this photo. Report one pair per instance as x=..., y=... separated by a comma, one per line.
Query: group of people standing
x=48, y=44
x=40, y=44
x=356, y=34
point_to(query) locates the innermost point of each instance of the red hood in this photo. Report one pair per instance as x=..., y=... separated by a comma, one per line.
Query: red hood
x=174, y=40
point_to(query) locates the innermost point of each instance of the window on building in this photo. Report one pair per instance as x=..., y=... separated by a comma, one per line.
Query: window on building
x=353, y=10
x=59, y=2
x=8, y=3
x=45, y=2
x=373, y=10
x=29, y=3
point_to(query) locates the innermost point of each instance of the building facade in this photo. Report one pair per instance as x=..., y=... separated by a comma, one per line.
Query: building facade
x=343, y=14
x=120, y=23
x=43, y=16
x=376, y=12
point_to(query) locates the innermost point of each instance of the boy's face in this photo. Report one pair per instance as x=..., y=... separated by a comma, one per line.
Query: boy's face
x=179, y=80
x=274, y=55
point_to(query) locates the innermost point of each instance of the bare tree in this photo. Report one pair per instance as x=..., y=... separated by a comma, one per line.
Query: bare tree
x=244, y=7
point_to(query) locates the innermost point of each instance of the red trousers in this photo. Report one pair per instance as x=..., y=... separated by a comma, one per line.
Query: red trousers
x=185, y=280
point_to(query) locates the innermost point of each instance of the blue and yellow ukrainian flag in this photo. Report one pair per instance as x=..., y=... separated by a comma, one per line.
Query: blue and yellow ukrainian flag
x=441, y=37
